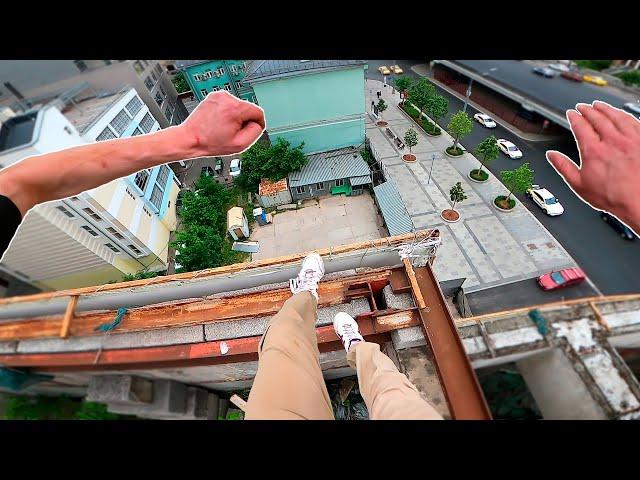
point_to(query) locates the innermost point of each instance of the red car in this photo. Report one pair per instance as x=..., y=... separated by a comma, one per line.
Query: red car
x=571, y=75
x=561, y=278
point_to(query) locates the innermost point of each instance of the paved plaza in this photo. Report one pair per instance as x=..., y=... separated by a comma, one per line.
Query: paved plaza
x=486, y=246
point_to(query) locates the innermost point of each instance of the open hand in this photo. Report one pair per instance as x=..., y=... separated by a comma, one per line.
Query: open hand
x=609, y=145
x=223, y=125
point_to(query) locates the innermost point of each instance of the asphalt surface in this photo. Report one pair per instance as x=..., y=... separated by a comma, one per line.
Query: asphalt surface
x=611, y=262
x=557, y=93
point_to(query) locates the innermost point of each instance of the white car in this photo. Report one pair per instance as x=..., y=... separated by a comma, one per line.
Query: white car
x=559, y=67
x=633, y=107
x=484, y=120
x=509, y=149
x=236, y=167
x=545, y=200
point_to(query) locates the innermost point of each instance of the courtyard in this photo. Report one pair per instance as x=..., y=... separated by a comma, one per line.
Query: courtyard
x=319, y=223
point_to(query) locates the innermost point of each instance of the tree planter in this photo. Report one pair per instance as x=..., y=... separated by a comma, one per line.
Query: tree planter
x=446, y=152
x=473, y=179
x=449, y=215
x=512, y=203
x=409, y=157
x=381, y=123
x=432, y=134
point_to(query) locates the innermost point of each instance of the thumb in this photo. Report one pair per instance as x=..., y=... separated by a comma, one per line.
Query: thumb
x=249, y=133
x=568, y=170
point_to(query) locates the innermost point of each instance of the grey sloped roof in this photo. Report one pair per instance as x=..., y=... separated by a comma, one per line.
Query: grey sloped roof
x=393, y=210
x=327, y=166
x=273, y=69
x=360, y=180
x=188, y=63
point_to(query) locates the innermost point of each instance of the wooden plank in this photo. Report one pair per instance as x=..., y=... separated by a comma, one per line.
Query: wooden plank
x=68, y=315
x=185, y=313
x=236, y=267
x=417, y=293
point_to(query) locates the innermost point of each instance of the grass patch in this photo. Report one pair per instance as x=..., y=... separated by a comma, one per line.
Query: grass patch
x=501, y=201
x=594, y=64
x=479, y=175
x=456, y=152
x=430, y=127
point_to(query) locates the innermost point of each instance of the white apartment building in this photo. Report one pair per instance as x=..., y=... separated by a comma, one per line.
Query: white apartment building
x=99, y=235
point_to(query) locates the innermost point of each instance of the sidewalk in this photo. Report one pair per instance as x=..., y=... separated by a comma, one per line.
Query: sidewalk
x=424, y=70
x=486, y=246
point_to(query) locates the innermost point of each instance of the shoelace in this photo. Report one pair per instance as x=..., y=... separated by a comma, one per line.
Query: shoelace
x=309, y=277
x=349, y=334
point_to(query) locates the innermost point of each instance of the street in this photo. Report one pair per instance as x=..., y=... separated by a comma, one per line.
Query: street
x=611, y=262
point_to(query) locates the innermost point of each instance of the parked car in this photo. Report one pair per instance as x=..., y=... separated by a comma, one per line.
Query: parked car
x=596, y=80
x=509, y=149
x=561, y=67
x=545, y=72
x=396, y=69
x=633, y=108
x=545, y=200
x=207, y=172
x=384, y=70
x=624, y=231
x=218, y=168
x=484, y=120
x=572, y=75
x=561, y=278
x=236, y=167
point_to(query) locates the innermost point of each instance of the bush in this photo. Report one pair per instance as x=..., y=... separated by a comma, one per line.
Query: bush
x=594, y=64
x=430, y=127
x=454, y=151
x=631, y=77
x=479, y=175
x=501, y=202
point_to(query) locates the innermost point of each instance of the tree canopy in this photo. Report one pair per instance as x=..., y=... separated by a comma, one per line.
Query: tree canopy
x=457, y=194
x=274, y=162
x=437, y=107
x=460, y=126
x=411, y=138
x=180, y=83
x=488, y=150
x=202, y=240
x=518, y=179
x=420, y=92
x=402, y=83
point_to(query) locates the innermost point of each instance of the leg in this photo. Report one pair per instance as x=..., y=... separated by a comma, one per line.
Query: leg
x=389, y=394
x=289, y=382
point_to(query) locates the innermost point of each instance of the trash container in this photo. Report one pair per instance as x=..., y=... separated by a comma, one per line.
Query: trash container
x=260, y=216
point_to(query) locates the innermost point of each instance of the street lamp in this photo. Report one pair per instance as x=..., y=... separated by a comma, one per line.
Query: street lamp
x=433, y=159
x=468, y=94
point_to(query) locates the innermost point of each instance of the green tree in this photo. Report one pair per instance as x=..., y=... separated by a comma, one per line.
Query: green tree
x=437, y=107
x=382, y=106
x=411, y=138
x=402, y=83
x=202, y=239
x=517, y=180
x=488, y=150
x=180, y=82
x=457, y=195
x=460, y=126
x=420, y=93
x=274, y=162
x=141, y=275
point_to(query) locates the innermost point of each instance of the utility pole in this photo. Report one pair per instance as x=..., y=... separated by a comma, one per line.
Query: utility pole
x=433, y=159
x=466, y=98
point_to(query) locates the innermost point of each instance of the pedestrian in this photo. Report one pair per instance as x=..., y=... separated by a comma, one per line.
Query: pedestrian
x=373, y=104
x=289, y=382
x=379, y=93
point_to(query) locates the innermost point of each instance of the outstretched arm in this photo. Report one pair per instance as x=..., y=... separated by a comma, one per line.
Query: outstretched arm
x=220, y=125
x=609, y=144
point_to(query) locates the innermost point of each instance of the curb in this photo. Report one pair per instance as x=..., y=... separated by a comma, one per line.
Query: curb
x=451, y=221
x=509, y=210
x=477, y=181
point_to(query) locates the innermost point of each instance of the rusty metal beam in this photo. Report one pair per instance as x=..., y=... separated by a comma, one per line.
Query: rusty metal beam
x=457, y=377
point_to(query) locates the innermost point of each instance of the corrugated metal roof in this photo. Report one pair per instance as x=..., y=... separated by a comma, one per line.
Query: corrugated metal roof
x=360, y=180
x=393, y=210
x=272, y=69
x=327, y=166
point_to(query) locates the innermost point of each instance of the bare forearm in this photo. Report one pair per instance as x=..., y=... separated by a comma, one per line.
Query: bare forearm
x=71, y=171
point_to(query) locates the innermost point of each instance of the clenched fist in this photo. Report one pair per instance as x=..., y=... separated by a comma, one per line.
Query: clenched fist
x=609, y=144
x=222, y=125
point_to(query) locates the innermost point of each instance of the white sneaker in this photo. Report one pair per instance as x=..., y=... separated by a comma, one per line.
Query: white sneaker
x=347, y=329
x=310, y=274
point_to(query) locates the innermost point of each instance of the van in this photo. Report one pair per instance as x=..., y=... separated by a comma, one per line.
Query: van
x=235, y=167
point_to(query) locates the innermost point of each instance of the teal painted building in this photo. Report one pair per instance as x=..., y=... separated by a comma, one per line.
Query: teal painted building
x=206, y=76
x=318, y=102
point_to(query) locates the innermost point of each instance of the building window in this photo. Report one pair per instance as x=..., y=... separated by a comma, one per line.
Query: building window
x=137, y=132
x=92, y=214
x=197, y=77
x=221, y=71
x=137, y=66
x=215, y=89
x=134, y=249
x=153, y=75
x=339, y=182
x=164, y=94
x=158, y=188
x=207, y=74
x=133, y=197
x=301, y=190
x=90, y=230
x=148, y=82
x=168, y=113
x=81, y=65
x=142, y=178
x=65, y=211
x=163, y=175
x=134, y=105
x=75, y=199
x=238, y=85
x=106, y=134
x=234, y=69
x=156, y=196
x=320, y=186
x=111, y=247
x=203, y=92
x=159, y=99
x=120, y=122
x=147, y=123
x=115, y=233
x=159, y=69
x=227, y=87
